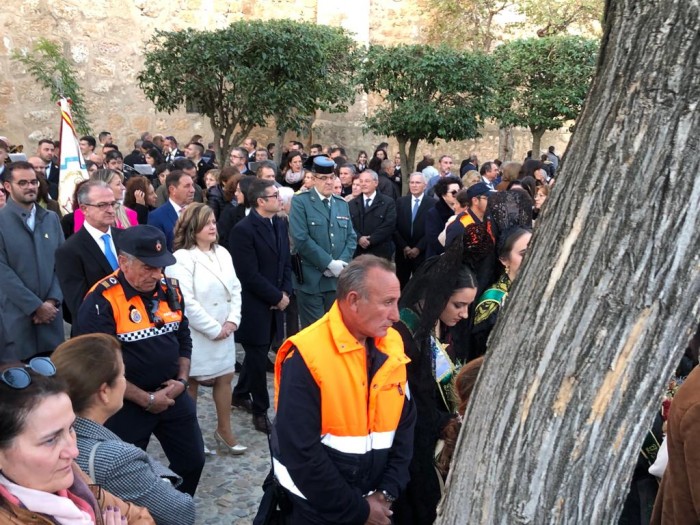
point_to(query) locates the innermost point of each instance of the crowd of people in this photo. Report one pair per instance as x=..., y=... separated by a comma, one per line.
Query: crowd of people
x=378, y=305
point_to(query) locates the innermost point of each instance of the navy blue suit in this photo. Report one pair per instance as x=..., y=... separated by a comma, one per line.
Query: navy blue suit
x=261, y=257
x=164, y=218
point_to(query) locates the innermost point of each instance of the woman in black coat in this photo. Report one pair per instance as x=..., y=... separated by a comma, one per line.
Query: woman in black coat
x=435, y=301
x=445, y=190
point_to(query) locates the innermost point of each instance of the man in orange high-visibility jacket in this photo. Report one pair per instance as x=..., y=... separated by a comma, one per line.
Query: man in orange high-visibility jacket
x=342, y=440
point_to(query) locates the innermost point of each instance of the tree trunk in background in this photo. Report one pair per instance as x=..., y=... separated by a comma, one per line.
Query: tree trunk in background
x=408, y=161
x=506, y=143
x=536, y=143
x=609, y=295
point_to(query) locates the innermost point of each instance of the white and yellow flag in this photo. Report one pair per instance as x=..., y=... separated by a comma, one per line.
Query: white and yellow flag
x=72, y=164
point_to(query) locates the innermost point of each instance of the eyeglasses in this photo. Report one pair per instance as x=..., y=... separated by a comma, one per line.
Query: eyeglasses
x=25, y=183
x=325, y=178
x=18, y=378
x=155, y=318
x=275, y=195
x=102, y=206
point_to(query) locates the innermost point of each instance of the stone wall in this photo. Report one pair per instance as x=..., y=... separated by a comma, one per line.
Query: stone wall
x=104, y=39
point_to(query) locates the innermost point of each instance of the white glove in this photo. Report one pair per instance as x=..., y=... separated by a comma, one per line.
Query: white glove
x=336, y=267
x=327, y=273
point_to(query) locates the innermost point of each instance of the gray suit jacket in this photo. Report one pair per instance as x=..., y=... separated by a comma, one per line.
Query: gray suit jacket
x=131, y=474
x=28, y=278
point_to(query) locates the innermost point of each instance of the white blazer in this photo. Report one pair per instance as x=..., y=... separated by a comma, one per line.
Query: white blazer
x=212, y=294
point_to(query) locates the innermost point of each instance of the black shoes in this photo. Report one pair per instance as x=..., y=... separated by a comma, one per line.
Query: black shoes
x=262, y=423
x=243, y=404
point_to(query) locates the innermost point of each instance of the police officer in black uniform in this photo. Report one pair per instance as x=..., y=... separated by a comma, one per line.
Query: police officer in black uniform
x=145, y=311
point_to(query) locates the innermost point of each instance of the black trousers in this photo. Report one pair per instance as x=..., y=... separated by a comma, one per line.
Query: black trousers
x=177, y=430
x=252, y=380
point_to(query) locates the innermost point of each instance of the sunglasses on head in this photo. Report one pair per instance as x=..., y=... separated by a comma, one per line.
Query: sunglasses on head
x=18, y=378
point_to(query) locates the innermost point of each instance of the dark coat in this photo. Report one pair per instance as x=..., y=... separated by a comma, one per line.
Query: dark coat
x=230, y=216
x=387, y=187
x=434, y=224
x=80, y=263
x=403, y=236
x=378, y=221
x=53, y=180
x=263, y=265
x=215, y=200
x=164, y=218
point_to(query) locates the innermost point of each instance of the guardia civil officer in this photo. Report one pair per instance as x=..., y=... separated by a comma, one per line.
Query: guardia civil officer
x=323, y=240
x=145, y=311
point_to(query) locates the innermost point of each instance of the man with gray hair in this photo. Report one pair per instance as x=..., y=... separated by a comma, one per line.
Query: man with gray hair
x=409, y=235
x=373, y=217
x=343, y=436
x=90, y=254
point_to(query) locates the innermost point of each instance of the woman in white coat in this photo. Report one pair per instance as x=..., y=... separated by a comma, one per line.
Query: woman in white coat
x=212, y=296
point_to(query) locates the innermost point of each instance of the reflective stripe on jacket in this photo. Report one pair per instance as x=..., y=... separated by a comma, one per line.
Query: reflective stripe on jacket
x=357, y=418
x=131, y=316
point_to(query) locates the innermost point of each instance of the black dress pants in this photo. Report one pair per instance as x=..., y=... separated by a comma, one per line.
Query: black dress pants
x=252, y=380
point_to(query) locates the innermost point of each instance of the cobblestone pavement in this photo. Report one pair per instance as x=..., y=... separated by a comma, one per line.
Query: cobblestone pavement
x=230, y=487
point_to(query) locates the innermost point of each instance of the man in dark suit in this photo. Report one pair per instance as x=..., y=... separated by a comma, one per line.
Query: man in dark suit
x=91, y=253
x=263, y=265
x=373, y=217
x=180, y=188
x=170, y=149
x=409, y=235
x=45, y=151
x=195, y=151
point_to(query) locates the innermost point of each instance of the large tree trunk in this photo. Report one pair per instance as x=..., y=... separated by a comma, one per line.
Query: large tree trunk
x=608, y=297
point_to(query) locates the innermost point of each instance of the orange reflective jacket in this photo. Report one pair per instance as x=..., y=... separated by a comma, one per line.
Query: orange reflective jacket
x=356, y=418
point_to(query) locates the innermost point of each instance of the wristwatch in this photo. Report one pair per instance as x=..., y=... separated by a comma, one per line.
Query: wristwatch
x=184, y=382
x=388, y=497
x=151, y=400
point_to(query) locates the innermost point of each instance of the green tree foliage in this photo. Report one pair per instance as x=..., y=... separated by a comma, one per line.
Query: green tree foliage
x=429, y=93
x=555, y=17
x=47, y=64
x=465, y=24
x=543, y=82
x=252, y=71
x=478, y=24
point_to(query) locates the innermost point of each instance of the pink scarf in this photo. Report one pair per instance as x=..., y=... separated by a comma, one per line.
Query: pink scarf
x=62, y=507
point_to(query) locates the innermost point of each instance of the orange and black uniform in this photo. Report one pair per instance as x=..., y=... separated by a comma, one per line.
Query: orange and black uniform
x=344, y=424
x=151, y=356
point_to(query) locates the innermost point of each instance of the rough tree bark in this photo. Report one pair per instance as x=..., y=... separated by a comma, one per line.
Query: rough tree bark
x=609, y=295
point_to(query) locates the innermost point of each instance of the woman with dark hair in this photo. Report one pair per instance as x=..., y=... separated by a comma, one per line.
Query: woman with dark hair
x=529, y=168
x=232, y=215
x=154, y=158
x=140, y=197
x=511, y=250
x=375, y=163
x=433, y=303
x=216, y=198
x=93, y=368
x=40, y=482
x=212, y=294
x=446, y=191
x=293, y=173
x=361, y=163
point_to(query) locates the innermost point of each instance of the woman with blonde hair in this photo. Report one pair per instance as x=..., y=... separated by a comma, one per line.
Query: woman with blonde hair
x=212, y=294
x=126, y=217
x=93, y=369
